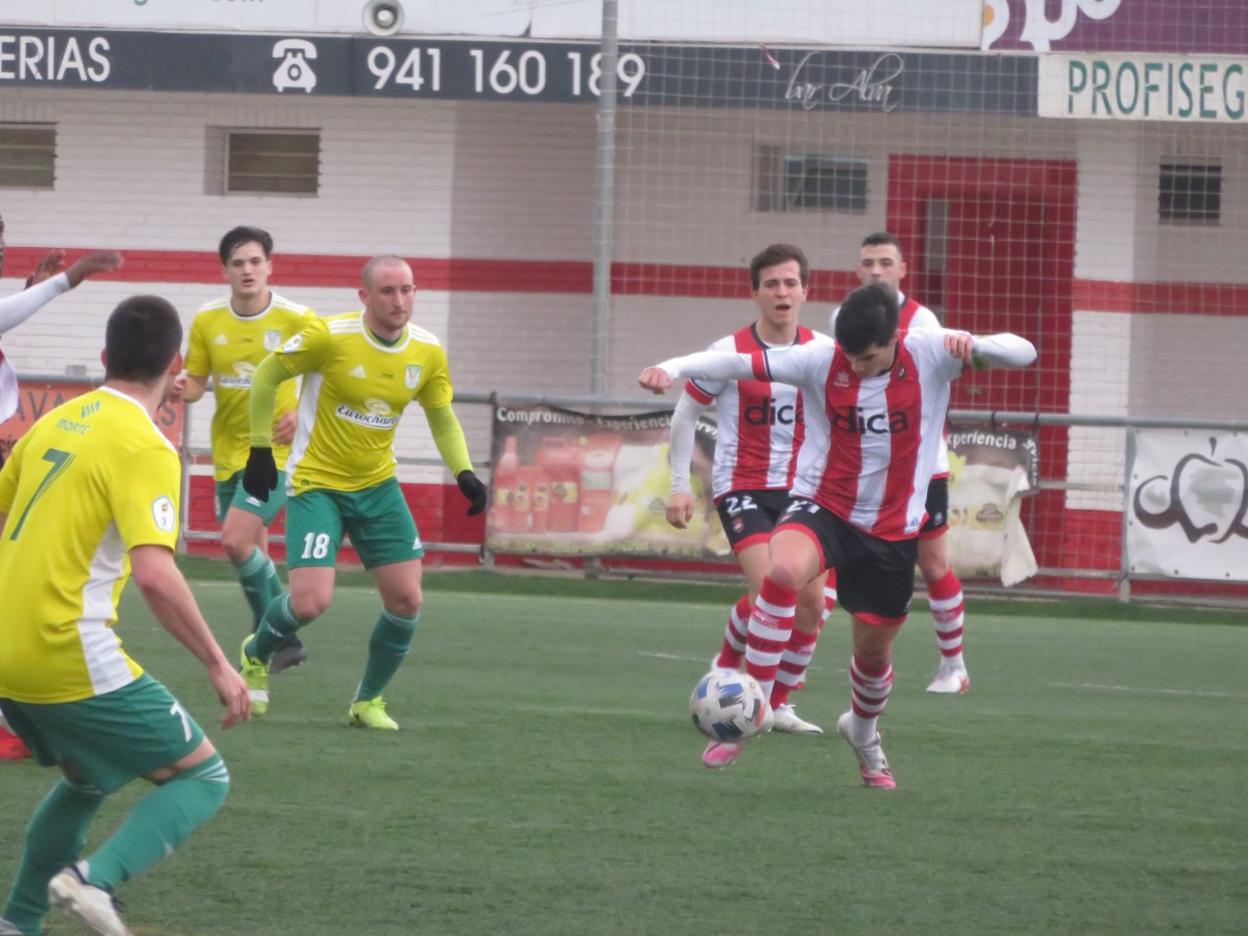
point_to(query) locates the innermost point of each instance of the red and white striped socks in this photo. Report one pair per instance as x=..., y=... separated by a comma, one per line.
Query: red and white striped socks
x=945, y=597
x=735, y=635
x=770, y=627
x=793, y=662
x=868, y=694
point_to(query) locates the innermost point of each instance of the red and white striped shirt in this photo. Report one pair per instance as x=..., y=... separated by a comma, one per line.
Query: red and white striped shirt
x=871, y=443
x=760, y=424
x=913, y=314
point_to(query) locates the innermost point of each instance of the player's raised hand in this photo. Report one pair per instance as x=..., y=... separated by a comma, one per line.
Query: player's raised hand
x=97, y=261
x=260, y=475
x=473, y=490
x=960, y=345
x=284, y=428
x=232, y=692
x=655, y=379
x=680, y=510
x=48, y=266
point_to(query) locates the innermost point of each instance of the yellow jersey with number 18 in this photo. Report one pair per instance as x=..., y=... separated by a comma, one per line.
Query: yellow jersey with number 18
x=227, y=347
x=355, y=389
x=90, y=481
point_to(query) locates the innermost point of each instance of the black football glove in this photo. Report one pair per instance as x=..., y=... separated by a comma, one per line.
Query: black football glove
x=260, y=475
x=473, y=490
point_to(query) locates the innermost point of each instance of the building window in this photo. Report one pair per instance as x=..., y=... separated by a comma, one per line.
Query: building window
x=266, y=162
x=27, y=155
x=787, y=181
x=1190, y=193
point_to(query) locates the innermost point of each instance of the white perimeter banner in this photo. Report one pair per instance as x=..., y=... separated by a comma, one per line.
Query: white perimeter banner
x=841, y=23
x=1187, y=503
x=1181, y=88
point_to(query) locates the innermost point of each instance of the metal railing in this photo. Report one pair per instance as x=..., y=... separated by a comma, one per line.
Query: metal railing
x=995, y=419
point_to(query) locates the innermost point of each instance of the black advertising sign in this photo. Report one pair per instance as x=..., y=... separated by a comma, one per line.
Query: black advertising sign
x=462, y=69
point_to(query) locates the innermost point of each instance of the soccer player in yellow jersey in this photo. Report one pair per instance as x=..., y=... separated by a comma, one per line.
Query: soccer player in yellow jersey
x=90, y=496
x=360, y=371
x=229, y=338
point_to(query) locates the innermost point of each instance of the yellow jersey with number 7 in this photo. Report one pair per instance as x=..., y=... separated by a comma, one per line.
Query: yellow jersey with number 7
x=90, y=481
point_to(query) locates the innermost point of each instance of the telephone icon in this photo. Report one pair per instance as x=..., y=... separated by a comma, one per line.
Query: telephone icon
x=293, y=71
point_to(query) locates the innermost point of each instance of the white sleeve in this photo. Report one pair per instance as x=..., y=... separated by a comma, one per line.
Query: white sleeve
x=924, y=318
x=684, y=430
x=794, y=364
x=1004, y=350
x=18, y=308
x=711, y=365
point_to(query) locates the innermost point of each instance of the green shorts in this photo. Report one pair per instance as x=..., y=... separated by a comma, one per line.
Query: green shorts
x=230, y=493
x=377, y=519
x=110, y=739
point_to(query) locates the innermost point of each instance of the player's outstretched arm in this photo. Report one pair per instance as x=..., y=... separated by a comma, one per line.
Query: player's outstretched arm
x=448, y=436
x=18, y=308
x=49, y=265
x=979, y=352
x=684, y=430
x=703, y=365
x=169, y=597
x=97, y=261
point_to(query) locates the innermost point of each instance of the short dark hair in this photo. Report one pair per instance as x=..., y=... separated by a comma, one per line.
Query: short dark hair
x=775, y=255
x=867, y=317
x=142, y=336
x=882, y=239
x=243, y=234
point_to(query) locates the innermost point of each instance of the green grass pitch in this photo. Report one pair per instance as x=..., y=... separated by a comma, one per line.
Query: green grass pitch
x=546, y=779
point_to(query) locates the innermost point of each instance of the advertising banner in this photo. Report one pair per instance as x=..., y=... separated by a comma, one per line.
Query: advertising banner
x=989, y=474
x=941, y=23
x=568, y=483
x=35, y=398
x=1210, y=26
x=1187, y=505
x=649, y=74
x=1204, y=89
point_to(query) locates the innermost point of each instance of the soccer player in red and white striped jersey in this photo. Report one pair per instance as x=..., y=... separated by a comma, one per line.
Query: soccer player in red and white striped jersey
x=880, y=260
x=874, y=405
x=759, y=432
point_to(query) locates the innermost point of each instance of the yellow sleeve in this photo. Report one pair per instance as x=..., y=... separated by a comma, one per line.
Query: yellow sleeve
x=265, y=380
x=145, y=507
x=448, y=436
x=198, y=362
x=436, y=391
x=308, y=349
x=10, y=473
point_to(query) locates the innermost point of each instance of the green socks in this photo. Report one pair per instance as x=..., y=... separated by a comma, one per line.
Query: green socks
x=260, y=582
x=276, y=627
x=392, y=638
x=54, y=839
x=159, y=823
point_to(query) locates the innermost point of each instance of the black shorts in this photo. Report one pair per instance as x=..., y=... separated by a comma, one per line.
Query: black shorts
x=874, y=577
x=749, y=516
x=937, y=509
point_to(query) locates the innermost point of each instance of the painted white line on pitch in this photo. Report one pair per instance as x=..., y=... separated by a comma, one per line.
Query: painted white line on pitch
x=1177, y=692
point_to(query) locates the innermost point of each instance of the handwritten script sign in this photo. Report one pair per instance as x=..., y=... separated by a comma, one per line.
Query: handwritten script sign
x=872, y=85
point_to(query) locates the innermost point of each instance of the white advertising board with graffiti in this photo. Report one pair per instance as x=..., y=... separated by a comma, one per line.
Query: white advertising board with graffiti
x=1187, y=503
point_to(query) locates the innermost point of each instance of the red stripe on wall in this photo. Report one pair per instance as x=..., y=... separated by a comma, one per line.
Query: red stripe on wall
x=627, y=279
x=1224, y=299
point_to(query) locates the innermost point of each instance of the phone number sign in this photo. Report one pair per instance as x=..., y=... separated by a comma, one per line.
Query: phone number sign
x=457, y=69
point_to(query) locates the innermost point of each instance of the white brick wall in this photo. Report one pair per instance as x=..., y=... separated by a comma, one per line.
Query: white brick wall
x=1100, y=365
x=480, y=180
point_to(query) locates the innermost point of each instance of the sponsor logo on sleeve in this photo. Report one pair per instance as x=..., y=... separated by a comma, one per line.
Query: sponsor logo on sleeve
x=163, y=514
